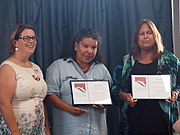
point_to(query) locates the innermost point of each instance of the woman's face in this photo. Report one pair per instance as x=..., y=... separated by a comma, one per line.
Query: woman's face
x=26, y=42
x=86, y=50
x=146, y=39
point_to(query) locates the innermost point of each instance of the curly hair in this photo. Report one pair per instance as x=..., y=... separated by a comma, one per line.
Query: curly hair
x=69, y=52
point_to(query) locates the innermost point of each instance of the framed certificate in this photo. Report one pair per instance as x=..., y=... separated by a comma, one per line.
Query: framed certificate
x=87, y=92
x=151, y=86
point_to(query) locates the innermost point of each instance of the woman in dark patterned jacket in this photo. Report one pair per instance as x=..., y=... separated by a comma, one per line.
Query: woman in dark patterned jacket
x=148, y=57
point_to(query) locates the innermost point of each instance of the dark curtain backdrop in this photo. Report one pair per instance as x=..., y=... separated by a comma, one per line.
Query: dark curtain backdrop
x=57, y=20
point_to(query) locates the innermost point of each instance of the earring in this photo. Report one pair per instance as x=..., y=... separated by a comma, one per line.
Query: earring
x=16, y=49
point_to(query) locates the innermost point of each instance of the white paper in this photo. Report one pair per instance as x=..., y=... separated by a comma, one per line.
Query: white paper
x=90, y=92
x=151, y=86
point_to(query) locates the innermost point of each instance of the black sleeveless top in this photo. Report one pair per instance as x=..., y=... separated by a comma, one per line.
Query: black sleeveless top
x=146, y=117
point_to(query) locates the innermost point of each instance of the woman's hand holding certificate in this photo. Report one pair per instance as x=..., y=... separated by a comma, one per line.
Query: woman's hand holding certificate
x=173, y=97
x=75, y=110
x=128, y=97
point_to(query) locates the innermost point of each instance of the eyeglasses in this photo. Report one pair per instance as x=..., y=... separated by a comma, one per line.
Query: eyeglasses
x=28, y=38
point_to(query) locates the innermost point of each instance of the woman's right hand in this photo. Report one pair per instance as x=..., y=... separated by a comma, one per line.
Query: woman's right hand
x=76, y=110
x=128, y=98
x=58, y=103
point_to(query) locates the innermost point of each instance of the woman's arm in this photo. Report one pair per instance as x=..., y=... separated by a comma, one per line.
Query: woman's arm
x=54, y=100
x=176, y=90
x=7, y=88
x=176, y=126
x=47, y=125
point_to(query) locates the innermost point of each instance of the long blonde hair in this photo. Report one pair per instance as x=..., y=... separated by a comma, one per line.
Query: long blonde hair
x=135, y=49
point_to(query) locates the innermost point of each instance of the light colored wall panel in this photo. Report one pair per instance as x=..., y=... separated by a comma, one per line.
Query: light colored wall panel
x=176, y=25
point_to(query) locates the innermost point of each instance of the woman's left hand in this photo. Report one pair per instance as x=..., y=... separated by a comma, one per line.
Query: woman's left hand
x=173, y=97
x=98, y=106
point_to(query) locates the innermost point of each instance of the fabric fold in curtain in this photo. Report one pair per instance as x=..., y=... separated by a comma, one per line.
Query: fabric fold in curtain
x=57, y=20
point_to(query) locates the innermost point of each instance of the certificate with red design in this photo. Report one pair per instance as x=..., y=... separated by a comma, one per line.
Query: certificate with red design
x=90, y=92
x=151, y=86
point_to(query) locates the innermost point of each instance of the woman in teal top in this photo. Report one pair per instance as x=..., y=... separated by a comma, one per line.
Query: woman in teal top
x=147, y=116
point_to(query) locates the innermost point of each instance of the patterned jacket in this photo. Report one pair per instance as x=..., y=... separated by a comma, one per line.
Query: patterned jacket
x=167, y=64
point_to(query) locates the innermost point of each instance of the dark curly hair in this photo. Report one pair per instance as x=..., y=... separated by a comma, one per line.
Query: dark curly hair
x=69, y=52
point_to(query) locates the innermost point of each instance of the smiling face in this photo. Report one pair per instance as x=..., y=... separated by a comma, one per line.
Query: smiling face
x=86, y=50
x=146, y=39
x=24, y=46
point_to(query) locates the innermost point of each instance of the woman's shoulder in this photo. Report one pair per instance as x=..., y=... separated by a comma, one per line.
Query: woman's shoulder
x=169, y=55
x=35, y=65
x=100, y=67
x=61, y=60
x=8, y=64
x=59, y=63
x=7, y=67
x=100, y=64
x=127, y=57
